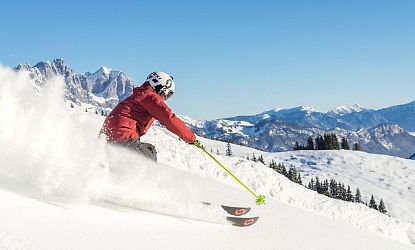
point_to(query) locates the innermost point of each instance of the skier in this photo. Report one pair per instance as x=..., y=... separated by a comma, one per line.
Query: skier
x=131, y=118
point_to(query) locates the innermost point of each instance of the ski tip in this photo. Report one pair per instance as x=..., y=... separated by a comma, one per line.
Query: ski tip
x=242, y=222
x=236, y=211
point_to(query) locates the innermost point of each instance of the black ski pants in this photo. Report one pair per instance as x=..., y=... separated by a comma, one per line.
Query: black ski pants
x=146, y=149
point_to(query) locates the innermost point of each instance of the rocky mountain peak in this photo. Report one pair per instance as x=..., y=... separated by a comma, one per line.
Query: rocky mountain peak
x=346, y=109
x=388, y=129
x=104, y=88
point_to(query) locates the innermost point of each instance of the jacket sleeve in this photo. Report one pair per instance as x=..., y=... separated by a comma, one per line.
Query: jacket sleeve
x=156, y=107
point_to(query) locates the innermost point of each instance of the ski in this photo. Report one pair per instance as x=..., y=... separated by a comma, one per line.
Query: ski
x=235, y=211
x=242, y=222
x=233, y=221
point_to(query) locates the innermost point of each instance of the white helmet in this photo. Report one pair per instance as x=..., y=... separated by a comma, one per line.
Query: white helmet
x=162, y=83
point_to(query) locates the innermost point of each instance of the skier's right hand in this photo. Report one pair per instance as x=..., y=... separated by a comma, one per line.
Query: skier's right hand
x=196, y=143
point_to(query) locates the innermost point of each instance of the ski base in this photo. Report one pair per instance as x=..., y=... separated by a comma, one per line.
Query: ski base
x=242, y=222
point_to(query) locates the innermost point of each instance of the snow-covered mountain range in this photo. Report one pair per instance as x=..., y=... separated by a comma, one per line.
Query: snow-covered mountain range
x=277, y=130
x=104, y=88
x=357, y=117
x=383, y=131
x=273, y=131
x=82, y=193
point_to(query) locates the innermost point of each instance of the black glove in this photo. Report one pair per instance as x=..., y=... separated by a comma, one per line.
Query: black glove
x=198, y=144
x=194, y=142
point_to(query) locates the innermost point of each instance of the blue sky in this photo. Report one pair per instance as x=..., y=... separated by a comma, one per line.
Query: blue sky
x=229, y=57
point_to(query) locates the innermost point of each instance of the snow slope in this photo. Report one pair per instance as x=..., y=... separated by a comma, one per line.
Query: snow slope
x=387, y=177
x=62, y=188
x=64, y=225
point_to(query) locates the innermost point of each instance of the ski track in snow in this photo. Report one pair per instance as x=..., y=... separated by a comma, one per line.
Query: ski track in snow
x=54, y=165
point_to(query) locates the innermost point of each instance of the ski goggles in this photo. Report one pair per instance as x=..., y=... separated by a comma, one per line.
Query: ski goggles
x=168, y=94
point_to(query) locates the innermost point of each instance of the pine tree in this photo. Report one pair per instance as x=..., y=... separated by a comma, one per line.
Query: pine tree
x=345, y=144
x=102, y=113
x=325, y=188
x=299, y=181
x=217, y=152
x=272, y=165
x=382, y=207
x=331, y=141
x=336, y=144
x=228, y=149
x=96, y=112
x=372, y=203
x=310, y=143
x=247, y=157
x=339, y=191
x=297, y=146
x=261, y=159
x=281, y=169
x=356, y=146
x=318, y=185
x=311, y=185
x=343, y=193
x=358, y=196
x=86, y=110
x=72, y=105
x=319, y=143
x=333, y=188
x=254, y=158
x=331, y=145
x=292, y=175
x=326, y=142
x=284, y=170
x=349, y=196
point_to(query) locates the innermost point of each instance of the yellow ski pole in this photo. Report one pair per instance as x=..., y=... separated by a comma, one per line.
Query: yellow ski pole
x=259, y=199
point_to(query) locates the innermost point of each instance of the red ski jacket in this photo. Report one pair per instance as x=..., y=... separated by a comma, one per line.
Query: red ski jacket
x=131, y=118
